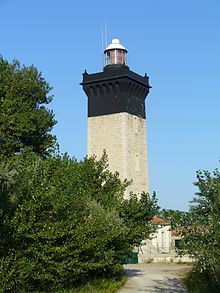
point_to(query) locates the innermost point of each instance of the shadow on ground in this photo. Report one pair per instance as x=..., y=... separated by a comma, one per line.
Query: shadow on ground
x=167, y=285
x=133, y=273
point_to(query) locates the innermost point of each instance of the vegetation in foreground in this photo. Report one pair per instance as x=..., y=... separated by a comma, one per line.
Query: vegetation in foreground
x=101, y=286
x=200, y=232
x=202, y=237
x=197, y=281
x=63, y=223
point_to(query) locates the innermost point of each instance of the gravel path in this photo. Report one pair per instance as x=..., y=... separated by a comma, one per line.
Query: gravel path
x=154, y=277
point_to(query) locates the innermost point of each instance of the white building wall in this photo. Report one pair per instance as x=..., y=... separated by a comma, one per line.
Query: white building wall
x=159, y=242
x=162, y=238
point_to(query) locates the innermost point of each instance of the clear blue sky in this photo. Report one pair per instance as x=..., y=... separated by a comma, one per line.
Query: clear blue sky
x=177, y=42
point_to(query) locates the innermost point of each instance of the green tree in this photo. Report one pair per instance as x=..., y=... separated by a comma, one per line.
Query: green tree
x=24, y=119
x=137, y=214
x=64, y=222
x=54, y=234
x=201, y=238
x=177, y=218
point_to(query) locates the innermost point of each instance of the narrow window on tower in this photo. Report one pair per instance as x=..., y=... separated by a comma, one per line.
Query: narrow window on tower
x=108, y=58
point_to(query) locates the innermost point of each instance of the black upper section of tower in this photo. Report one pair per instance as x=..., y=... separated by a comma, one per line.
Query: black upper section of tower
x=116, y=89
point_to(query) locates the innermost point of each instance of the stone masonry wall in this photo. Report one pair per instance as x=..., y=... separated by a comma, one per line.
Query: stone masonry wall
x=123, y=136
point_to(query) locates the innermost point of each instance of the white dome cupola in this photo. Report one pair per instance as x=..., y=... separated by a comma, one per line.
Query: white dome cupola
x=115, y=53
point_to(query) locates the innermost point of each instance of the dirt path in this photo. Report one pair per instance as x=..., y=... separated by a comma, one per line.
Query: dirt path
x=154, y=278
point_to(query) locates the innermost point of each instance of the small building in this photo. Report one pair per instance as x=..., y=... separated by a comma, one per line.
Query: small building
x=162, y=244
x=159, y=245
x=162, y=239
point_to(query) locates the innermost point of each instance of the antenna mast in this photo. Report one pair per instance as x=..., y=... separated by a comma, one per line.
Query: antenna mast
x=103, y=55
x=106, y=38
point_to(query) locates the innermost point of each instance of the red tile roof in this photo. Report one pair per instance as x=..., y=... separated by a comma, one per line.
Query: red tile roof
x=158, y=220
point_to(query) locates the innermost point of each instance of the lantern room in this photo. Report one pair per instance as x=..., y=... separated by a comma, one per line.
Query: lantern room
x=115, y=53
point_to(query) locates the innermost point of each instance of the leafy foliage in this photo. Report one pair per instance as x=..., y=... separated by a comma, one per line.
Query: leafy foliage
x=137, y=214
x=24, y=120
x=64, y=222
x=201, y=238
x=104, y=285
x=177, y=218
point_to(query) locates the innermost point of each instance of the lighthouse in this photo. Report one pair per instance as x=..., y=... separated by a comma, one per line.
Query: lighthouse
x=117, y=117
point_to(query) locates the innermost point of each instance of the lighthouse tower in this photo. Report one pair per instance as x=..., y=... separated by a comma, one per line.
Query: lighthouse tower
x=117, y=118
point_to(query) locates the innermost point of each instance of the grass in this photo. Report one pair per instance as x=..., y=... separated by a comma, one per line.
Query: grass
x=100, y=286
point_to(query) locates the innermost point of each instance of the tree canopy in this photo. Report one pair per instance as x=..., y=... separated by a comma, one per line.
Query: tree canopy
x=201, y=237
x=177, y=218
x=65, y=222
x=24, y=119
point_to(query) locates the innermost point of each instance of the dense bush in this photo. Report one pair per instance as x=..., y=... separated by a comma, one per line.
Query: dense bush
x=201, y=237
x=201, y=280
x=64, y=222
